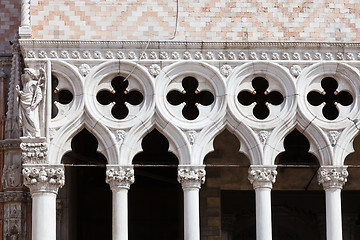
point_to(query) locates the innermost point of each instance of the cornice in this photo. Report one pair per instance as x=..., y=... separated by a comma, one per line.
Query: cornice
x=155, y=51
x=184, y=44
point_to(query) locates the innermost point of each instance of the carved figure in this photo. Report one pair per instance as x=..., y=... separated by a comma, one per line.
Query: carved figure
x=29, y=99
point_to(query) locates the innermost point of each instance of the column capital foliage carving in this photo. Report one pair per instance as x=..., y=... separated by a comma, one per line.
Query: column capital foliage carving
x=262, y=176
x=332, y=177
x=191, y=176
x=34, y=150
x=43, y=178
x=120, y=176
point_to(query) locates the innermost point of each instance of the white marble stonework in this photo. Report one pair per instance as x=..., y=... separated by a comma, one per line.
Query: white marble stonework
x=221, y=70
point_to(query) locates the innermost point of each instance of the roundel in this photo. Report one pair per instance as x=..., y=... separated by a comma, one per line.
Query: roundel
x=261, y=94
x=191, y=95
x=119, y=96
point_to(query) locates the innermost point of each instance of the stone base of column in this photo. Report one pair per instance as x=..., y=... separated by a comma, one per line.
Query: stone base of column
x=25, y=32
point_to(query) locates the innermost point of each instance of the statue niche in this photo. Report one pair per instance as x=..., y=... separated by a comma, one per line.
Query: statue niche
x=30, y=98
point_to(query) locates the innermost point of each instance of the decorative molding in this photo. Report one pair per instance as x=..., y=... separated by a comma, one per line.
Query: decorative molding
x=191, y=134
x=225, y=70
x=333, y=137
x=11, y=177
x=191, y=177
x=15, y=196
x=43, y=178
x=262, y=176
x=84, y=69
x=263, y=136
x=120, y=176
x=295, y=70
x=154, y=70
x=34, y=150
x=332, y=177
x=10, y=144
x=120, y=135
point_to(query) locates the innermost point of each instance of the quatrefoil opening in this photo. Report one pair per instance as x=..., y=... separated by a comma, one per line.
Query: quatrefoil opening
x=62, y=96
x=120, y=96
x=261, y=97
x=330, y=98
x=191, y=97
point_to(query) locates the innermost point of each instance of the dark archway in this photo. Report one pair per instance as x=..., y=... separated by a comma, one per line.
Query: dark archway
x=298, y=202
x=85, y=201
x=155, y=199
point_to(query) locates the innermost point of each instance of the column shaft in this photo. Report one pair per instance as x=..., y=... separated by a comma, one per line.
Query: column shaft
x=263, y=214
x=191, y=214
x=262, y=178
x=43, y=216
x=333, y=214
x=333, y=178
x=120, y=178
x=191, y=178
x=120, y=214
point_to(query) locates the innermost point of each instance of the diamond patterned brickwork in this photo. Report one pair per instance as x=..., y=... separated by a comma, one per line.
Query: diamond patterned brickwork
x=9, y=23
x=208, y=20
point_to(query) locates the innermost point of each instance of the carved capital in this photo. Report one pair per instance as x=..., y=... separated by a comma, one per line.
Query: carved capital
x=191, y=176
x=34, y=150
x=262, y=176
x=120, y=176
x=332, y=177
x=43, y=178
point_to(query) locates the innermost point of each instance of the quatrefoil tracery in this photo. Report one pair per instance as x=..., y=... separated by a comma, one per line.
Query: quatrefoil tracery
x=62, y=96
x=119, y=96
x=191, y=97
x=261, y=97
x=330, y=98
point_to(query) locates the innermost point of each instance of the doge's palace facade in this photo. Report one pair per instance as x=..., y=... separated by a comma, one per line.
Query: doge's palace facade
x=189, y=69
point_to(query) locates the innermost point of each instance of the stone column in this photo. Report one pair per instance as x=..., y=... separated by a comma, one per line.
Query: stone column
x=191, y=178
x=262, y=179
x=333, y=178
x=25, y=27
x=120, y=178
x=44, y=182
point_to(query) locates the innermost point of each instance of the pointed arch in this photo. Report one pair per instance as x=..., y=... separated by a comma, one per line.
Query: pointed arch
x=61, y=143
x=319, y=143
x=345, y=144
x=178, y=143
x=249, y=144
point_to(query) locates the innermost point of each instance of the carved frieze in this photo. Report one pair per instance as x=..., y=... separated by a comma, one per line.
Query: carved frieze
x=191, y=176
x=332, y=177
x=43, y=178
x=120, y=177
x=262, y=177
x=34, y=150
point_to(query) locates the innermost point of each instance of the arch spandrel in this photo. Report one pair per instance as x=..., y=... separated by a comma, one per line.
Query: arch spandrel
x=344, y=144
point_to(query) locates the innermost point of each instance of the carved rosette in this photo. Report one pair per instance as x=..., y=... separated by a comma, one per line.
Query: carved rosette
x=332, y=177
x=120, y=177
x=34, y=150
x=191, y=177
x=43, y=178
x=262, y=177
